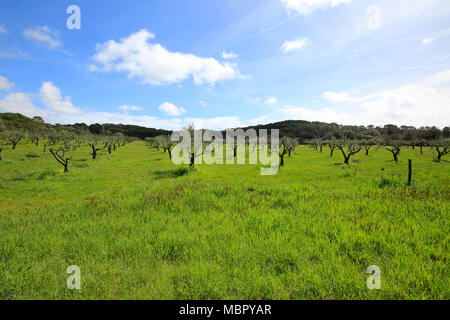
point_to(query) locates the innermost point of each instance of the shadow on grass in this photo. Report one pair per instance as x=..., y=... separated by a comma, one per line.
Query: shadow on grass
x=46, y=174
x=175, y=173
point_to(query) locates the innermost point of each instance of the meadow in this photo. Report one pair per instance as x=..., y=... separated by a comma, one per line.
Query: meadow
x=140, y=227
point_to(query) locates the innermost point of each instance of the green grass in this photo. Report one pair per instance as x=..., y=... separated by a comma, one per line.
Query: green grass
x=140, y=227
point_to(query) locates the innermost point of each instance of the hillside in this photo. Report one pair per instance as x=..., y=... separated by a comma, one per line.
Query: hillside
x=304, y=130
x=17, y=120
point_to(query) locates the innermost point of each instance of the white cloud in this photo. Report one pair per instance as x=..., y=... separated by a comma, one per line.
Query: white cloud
x=203, y=103
x=55, y=113
x=171, y=109
x=3, y=29
x=438, y=78
x=324, y=115
x=43, y=35
x=298, y=44
x=153, y=64
x=308, y=6
x=216, y=123
x=229, y=55
x=50, y=96
x=418, y=104
x=428, y=40
x=20, y=103
x=259, y=120
x=435, y=36
x=373, y=17
x=271, y=101
x=126, y=107
x=5, y=84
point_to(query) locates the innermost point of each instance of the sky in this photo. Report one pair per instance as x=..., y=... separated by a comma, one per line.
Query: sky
x=221, y=64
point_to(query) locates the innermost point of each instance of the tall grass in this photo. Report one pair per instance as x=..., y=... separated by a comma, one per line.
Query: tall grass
x=140, y=227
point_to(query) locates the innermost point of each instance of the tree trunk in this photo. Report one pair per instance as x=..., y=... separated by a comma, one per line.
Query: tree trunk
x=170, y=154
x=346, y=159
x=320, y=148
x=66, y=166
x=421, y=151
x=14, y=145
x=45, y=147
x=289, y=153
x=1, y=154
x=192, y=163
x=281, y=160
x=395, y=157
x=94, y=153
x=235, y=152
x=114, y=147
x=109, y=149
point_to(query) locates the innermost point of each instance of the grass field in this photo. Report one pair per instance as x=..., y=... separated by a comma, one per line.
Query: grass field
x=141, y=228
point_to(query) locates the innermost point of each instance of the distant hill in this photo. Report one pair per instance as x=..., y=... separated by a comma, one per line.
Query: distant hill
x=304, y=130
x=19, y=121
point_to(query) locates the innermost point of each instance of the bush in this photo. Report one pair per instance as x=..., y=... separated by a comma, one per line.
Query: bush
x=388, y=182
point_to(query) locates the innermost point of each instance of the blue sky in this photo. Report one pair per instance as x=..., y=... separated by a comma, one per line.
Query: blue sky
x=222, y=64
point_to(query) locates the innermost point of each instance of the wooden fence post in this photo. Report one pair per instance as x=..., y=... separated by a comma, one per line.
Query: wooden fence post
x=409, y=172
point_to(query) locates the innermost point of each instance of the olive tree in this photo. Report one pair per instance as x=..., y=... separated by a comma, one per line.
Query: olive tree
x=332, y=144
x=348, y=149
x=96, y=142
x=4, y=141
x=421, y=143
x=442, y=148
x=35, y=136
x=62, y=146
x=367, y=145
x=291, y=145
x=283, y=149
x=394, y=147
x=14, y=137
x=167, y=144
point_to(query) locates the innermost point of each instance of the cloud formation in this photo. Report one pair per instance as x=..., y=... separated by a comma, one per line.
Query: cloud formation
x=308, y=6
x=154, y=64
x=50, y=96
x=60, y=110
x=271, y=101
x=44, y=36
x=126, y=107
x=418, y=104
x=294, y=45
x=229, y=55
x=171, y=109
x=5, y=84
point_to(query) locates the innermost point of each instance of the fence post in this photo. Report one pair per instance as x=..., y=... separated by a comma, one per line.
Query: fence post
x=409, y=172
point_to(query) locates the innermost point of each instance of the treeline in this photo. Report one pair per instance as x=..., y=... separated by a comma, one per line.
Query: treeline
x=305, y=130
x=21, y=122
